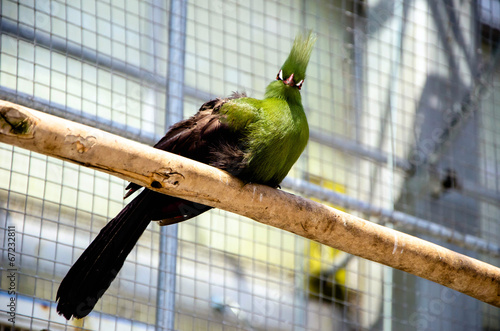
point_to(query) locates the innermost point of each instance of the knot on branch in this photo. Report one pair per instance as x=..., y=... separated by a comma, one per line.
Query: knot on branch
x=166, y=177
x=15, y=122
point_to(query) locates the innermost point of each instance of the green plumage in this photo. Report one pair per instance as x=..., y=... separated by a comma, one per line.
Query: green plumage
x=276, y=129
x=297, y=60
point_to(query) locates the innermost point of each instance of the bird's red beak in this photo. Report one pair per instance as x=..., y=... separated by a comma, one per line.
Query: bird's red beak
x=289, y=81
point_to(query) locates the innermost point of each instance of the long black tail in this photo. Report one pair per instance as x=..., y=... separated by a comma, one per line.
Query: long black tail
x=99, y=264
x=93, y=272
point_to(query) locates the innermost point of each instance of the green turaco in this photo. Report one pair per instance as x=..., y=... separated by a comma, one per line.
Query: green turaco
x=256, y=140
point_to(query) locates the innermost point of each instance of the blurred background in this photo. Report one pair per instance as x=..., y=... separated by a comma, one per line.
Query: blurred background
x=402, y=103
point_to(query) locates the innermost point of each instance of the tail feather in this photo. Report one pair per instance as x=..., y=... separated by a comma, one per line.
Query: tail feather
x=97, y=267
x=99, y=264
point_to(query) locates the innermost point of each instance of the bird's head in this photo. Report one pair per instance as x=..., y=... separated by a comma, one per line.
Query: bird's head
x=293, y=71
x=290, y=77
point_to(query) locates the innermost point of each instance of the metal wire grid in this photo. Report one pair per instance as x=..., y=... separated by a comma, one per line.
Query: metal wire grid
x=105, y=64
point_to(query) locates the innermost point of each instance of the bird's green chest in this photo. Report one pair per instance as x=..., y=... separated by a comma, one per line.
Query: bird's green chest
x=275, y=132
x=276, y=142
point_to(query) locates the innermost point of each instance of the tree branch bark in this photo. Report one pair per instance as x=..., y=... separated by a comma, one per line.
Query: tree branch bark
x=174, y=175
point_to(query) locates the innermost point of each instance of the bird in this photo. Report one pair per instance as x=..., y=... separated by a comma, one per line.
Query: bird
x=256, y=140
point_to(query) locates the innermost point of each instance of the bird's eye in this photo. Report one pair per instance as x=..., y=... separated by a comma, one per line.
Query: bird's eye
x=280, y=75
x=299, y=84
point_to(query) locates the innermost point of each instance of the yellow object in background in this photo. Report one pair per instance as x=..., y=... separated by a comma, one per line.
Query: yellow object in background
x=326, y=281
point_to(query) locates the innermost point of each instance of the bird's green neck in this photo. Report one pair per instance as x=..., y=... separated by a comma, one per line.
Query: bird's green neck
x=277, y=89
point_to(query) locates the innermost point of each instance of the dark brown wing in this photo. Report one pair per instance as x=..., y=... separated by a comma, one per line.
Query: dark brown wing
x=193, y=137
x=204, y=138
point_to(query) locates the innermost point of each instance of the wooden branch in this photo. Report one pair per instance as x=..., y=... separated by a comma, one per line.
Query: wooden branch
x=181, y=177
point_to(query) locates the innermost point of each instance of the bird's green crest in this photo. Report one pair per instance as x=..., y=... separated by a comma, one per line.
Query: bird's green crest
x=297, y=60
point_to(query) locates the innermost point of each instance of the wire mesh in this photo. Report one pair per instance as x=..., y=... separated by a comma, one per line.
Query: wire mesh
x=404, y=116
